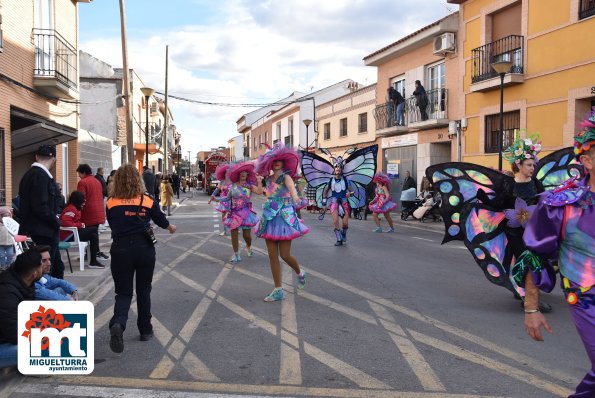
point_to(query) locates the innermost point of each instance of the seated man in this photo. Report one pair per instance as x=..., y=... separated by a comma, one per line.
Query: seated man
x=16, y=285
x=48, y=287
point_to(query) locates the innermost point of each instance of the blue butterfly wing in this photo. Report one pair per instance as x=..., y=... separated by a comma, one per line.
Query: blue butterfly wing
x=315, y=169
x=358, y=199
x=558, y=167
x=458, y=184
x=360, y=166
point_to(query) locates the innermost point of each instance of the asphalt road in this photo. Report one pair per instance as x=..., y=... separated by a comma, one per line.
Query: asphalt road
x=388, y=315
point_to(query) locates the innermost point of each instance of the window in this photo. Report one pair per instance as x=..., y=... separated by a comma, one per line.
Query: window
x=259, y=139
x=343, y=127
x=278, y=130
x=587, y=9
x=2, y=169
x=362, y=123
x=327, y=131
x=399, y=85
x=436, y=76
x=288, y=141
x=266, y=137
x=511, y=122
x=289, y=127
x=254, y=143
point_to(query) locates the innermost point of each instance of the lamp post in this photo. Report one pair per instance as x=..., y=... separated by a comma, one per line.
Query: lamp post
x=179, y=156
x=502, y=68
x=147, y=92
x=307, y=122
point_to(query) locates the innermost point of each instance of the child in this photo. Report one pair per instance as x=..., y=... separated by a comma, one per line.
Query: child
x=6, y=241
x=382, y=202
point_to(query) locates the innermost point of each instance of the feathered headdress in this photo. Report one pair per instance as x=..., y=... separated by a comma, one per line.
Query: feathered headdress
x=221, y=171
x=585, y=139
x=522, y=149
x=289, y=157
x=382, y=178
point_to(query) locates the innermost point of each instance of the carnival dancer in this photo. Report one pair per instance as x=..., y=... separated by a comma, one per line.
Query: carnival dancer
x=382, y=202
x=221, y=192
x=240, y=215
x=562, y=228
x=279, y=223
x=340, y=190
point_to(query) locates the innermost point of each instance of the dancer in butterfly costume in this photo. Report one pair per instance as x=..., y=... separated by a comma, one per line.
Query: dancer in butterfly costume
x=279, y=223
x=487, y=209
x=562, y=228
x=340, y=184
x=240, y=215
x=221, y=192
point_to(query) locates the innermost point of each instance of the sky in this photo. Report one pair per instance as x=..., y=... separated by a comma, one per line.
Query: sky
x=246, y=51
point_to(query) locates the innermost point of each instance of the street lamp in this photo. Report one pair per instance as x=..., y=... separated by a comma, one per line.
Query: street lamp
x=179, y=156
x=147, y=92
x=307, y=122
x=502, y=68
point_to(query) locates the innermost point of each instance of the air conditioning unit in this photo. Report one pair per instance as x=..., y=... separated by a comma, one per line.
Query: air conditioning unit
x=444, y=43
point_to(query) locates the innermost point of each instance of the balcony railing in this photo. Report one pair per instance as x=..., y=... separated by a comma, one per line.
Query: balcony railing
x=587, y=9
x=435, y=109
x=509, y=48
x=55, y=57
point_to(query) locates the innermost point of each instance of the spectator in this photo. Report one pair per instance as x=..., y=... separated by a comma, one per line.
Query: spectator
x=6, y=241
x=61, y=198
x=175, y=182
x=426, y=185
x=39, y=201
x=157, y=188
x=409, y=181
x=184, y=184
x=110, y=179
x=421, y=98
x=93, y=213
x=71, y=217
x=398, y=104
x=167, y=195
x=49, y=288
x=99, y=176
x=17, y=284
x=149, y=179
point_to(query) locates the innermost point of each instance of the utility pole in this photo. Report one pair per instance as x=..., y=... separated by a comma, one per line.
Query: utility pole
x=126, y=87
x=166, y=125
x=189, y=167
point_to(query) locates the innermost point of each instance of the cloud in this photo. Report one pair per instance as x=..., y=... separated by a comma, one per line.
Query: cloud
x=259, y=51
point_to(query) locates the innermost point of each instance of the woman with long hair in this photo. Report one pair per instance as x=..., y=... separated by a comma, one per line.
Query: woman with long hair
x=279, y=223
x=129, y=212
x=382, y=202
x=240, y=215
x=167, y=195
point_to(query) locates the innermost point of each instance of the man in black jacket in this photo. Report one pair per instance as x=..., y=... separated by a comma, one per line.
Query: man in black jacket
x=17, y=284
x=99, y=176
x=409, y=182
x=39, y=196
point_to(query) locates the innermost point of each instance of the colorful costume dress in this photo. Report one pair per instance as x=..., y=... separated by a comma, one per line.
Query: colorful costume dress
x=240, y=214
x=279, y=220
x=563, y=227
x=303, y=200
x=223, y=205
x=382, y=202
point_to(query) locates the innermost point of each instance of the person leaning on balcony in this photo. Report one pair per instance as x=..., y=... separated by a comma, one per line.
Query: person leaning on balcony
x=421, y=98
x=398, y=104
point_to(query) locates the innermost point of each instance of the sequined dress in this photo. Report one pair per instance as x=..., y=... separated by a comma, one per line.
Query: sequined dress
x=240, y=214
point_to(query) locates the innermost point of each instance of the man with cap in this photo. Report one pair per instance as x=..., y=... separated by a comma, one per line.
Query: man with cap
x=39, y=196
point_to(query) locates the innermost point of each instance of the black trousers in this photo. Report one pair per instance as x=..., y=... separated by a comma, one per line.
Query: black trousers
x=130, y=256
x=57, y=270
x=91, y=235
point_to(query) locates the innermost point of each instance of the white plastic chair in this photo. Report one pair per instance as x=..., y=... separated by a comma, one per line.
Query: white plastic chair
x=82, y=246
x=13, y=229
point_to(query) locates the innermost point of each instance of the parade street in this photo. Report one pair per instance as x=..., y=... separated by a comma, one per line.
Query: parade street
x=388, y=315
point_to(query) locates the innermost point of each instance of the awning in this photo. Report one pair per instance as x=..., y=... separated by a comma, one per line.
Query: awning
x=36, y=132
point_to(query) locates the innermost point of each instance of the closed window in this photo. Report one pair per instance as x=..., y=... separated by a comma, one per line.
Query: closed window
x=362, y=122
x=343, y=127
x=327, y=131
x=511, y=122
x=278, y=131
x=266, y=137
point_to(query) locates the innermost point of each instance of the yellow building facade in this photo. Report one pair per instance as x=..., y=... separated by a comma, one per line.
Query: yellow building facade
x=550, y=86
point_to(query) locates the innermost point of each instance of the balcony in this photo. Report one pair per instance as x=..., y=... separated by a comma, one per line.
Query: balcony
x=56, y=63
x=434, y=114
x=587, y=9
x=509, y=48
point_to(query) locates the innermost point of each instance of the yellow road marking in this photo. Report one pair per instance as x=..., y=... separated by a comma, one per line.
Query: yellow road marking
x=162, y=369
x=489, y=363
x=247, y=315
x=255, y=389
x=338, y=307
x=197, y=369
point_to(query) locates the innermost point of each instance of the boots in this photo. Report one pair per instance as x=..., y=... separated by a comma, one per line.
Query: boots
x=339, y=236
x=344, y=235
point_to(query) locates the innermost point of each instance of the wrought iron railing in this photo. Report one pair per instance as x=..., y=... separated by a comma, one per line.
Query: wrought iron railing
x=509, y=48
x=587, y=9
x=55, y=57
x=435, y=107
